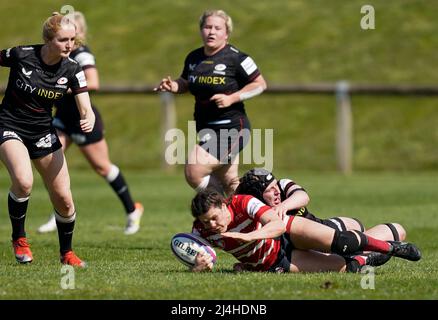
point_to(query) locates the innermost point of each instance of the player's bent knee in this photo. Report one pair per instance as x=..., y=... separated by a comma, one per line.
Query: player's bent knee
x=345, y=242
x=195, y=180
x=101, y=170
x=22, y=187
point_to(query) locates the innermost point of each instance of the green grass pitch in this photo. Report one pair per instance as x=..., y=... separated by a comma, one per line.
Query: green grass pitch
x=142, y=266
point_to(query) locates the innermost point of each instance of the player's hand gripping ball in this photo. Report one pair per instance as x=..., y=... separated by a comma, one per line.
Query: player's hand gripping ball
x=185, y=246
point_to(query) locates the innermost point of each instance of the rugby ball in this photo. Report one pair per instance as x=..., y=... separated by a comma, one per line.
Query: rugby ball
x=185, y=247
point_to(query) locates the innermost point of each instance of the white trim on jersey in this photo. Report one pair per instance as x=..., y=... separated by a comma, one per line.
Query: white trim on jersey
x=254, y=206
x=251, y=252
x=241, y=247
x=283, y=184
x=72, y=60
x=85, y=59
x=267, y=253
x=242, y=225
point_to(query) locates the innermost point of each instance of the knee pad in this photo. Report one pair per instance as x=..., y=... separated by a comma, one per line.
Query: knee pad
x=394, y=231
x=345, y=242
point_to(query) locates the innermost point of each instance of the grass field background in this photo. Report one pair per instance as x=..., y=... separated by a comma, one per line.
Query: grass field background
x=142, y=266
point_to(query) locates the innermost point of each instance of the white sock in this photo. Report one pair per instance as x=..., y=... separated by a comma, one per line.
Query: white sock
x=204, y=183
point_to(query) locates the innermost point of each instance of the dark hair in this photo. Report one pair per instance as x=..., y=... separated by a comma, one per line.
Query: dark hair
x=205, y=200
x=254, y=182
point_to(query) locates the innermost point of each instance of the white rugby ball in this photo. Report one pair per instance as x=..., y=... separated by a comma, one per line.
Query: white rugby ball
x=185, y=246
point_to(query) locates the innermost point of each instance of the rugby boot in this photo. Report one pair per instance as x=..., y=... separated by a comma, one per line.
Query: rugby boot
x=133, y=219
x=22, y=250
x=376, y=259
x=72, y=259
x=49, y=226
x=404, y=250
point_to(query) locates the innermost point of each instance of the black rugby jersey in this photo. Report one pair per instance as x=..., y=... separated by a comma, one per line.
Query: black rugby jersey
x=33, y=87
x=284, y=186
x=66, y=108
x=225, y=72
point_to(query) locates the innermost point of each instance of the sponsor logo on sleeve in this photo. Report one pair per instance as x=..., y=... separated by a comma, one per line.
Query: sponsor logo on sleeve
x=254, y=206
x=249, y=65
x=81, y=79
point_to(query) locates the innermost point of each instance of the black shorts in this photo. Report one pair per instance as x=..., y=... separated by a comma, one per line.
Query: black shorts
x=38, y=145
x=284, y=258
x=224, y=139
x=334, y=223
x=73, y=130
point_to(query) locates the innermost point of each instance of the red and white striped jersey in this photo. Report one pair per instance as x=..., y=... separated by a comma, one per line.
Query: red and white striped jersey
x=257, y=255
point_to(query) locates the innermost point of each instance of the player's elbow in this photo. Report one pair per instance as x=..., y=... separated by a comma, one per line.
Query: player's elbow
x=306, y=199
x=263, y=84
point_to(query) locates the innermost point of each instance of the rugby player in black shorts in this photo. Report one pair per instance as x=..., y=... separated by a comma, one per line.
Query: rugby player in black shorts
x=39, y=76
x=220, y=77
x=92, y=144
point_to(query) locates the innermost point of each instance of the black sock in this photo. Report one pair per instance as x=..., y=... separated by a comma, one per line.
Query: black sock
x=65, y=231
x=121, y=189
x=17, y=213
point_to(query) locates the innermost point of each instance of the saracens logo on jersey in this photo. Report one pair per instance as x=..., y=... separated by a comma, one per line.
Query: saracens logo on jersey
x=220, y=69
x=62, y=80
x=61, y=83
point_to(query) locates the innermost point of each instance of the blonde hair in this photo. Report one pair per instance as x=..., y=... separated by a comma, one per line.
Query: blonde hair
x=53, y=24
x=81, y=25
x=217, y=13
